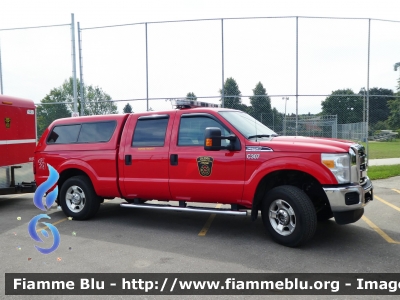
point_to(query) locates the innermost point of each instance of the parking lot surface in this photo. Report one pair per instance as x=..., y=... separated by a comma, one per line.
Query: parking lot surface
x=122, y=240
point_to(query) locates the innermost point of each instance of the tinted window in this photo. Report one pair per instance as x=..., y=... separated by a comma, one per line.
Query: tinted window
x=96, y=132
x=65, y=134
x=150, y=132
x=191, y=130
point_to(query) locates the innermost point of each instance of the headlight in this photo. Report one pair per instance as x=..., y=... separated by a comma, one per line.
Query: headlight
x=339, y=164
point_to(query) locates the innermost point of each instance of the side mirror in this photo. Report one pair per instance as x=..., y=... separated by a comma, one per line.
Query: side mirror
x=213, y=137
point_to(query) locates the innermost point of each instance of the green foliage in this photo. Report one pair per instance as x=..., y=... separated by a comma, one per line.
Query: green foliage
x=345, y=104
x=191, y=96
x=394, y=117
x=232, y=95
x=380, y=125
x=127, y=109
x=261, y=105
x=96, y=103
x=378, y=104
x=383, y=149
x=382, y=172
x=394, y=105
x=52, y=108
x=277, y=120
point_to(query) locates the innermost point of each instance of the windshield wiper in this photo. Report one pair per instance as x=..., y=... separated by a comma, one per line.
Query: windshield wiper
x=262, y=135
x=259, y=136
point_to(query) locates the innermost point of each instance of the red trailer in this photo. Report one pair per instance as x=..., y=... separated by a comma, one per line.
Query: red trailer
x=17, y=145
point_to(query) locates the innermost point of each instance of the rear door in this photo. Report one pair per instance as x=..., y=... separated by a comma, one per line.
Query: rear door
x=200, y=175
x=145, y=161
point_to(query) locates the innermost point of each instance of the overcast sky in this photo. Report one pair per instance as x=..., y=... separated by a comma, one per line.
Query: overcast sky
x=186, y=57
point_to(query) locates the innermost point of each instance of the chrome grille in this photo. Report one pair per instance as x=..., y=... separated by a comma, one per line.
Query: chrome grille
x=359, y=164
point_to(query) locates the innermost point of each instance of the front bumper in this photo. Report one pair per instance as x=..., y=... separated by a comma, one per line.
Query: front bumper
x=349, y=197
x=347, y=202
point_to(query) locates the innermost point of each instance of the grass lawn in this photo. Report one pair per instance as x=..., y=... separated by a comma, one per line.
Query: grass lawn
x=382, y=172
x=383, y=149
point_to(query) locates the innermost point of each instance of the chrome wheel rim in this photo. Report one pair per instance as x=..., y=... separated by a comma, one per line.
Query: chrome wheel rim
x=282, y=217
x=75, y=199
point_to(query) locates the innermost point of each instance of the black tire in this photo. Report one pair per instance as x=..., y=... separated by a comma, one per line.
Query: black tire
x=324, y=214
x=293, y=219
x=78, y=198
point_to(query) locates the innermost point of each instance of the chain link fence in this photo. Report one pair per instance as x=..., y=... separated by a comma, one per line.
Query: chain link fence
x=310, y=76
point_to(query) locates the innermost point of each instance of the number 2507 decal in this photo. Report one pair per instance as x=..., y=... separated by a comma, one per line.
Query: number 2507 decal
x=253, y=156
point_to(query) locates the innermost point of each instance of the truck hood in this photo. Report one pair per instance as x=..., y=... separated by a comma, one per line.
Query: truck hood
x=306, y=144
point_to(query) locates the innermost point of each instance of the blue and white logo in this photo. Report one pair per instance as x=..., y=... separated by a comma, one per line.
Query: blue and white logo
x=38, y=201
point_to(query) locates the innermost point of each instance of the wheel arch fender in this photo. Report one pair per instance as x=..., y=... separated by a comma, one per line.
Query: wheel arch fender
x=75, y=167
x=274, y=172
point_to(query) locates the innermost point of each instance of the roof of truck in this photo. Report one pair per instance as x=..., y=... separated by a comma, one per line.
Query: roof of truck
x=18, y=102
x=71, y=120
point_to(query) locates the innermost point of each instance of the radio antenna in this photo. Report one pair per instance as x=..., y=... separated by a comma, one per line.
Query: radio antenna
x=255, y=125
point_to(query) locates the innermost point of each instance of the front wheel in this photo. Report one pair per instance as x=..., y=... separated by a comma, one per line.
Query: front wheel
x=78, y=198
x=289, y=215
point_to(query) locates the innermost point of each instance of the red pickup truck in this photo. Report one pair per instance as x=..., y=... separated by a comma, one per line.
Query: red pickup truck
x=198, y=153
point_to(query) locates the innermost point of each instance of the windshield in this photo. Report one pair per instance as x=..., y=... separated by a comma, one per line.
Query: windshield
x=247, y=125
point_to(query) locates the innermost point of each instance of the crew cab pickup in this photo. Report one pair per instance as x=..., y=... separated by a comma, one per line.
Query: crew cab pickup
x=197, y=153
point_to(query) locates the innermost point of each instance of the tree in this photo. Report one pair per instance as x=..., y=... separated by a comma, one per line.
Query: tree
x=277, y=120
x=394, y=117
x=394, y=106
x=345, y=104
x=191, y=96
x=232, y=95
x=96, y=102
x=261, y=105
x=52, y=107
x=378, y=106
x=127, y=109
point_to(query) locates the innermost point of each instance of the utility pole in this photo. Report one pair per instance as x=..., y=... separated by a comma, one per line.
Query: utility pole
x=284, y=121
x=75, y=113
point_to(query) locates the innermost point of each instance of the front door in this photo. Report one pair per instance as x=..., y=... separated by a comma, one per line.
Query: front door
x=200, y=175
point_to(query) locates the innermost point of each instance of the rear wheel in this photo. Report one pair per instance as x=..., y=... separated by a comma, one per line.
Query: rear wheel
x=289, y=215
x=78, y=198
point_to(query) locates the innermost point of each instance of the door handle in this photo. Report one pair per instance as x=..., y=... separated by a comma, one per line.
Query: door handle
x=173, y=158
x=128, y=159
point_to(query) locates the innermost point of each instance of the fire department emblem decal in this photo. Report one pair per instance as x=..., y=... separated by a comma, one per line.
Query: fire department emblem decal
x=205, y=164
x=8, y=122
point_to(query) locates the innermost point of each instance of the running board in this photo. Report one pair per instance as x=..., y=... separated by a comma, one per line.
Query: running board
x=221, y=211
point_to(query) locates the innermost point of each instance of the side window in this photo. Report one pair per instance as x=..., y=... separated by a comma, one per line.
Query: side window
x=191, y=130
x=150, y=132
x=65, y=134
x=96, y=132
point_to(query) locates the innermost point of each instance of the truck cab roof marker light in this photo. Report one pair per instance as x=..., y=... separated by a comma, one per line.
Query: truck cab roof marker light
x=185, y=103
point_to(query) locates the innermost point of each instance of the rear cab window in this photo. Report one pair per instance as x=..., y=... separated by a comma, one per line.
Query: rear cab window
x=91, y=132
x=150, y=131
